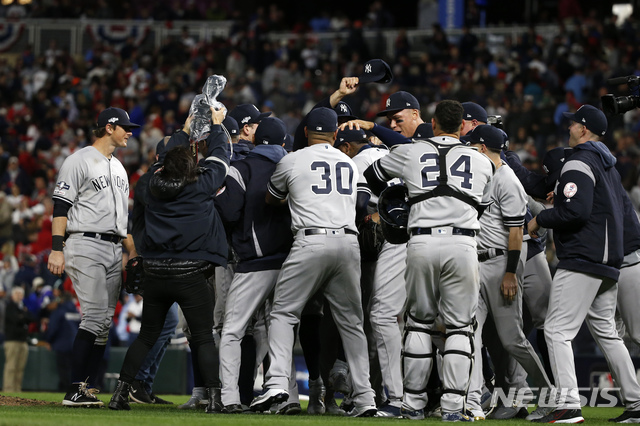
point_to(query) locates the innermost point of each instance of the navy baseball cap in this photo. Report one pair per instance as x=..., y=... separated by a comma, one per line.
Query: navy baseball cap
x=473, y=111
x=115, y=116
x=288, y=143
x=160, y=147
x=399, y=101
x=554, y=160
x=248, y=114
x=350, y=135
x=344, y=112
x=487, y=135
x=271, y=131
x=591, y=117
x=376, y=71
x=231, y=125
x=322, y=120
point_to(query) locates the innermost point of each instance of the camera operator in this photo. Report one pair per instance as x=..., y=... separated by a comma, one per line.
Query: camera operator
x=184, y=241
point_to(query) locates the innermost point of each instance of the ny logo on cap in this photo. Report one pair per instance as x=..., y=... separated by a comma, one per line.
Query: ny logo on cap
x=367, y=68
x=343, y=108
x=113, y=119
x=388, y=102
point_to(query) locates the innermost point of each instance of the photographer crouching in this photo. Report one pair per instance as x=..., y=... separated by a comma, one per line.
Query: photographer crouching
x=184, y=241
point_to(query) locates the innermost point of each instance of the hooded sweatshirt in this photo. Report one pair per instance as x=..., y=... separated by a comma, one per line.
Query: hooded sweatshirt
x=587, y=214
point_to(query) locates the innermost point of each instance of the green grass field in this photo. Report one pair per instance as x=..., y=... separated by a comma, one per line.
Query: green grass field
x=170, y=415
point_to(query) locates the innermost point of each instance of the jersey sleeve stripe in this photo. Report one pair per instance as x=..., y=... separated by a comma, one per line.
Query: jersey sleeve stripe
x=578, y=166
x=62, y=199
x=220, y=160
x=381, y=174
x=513, y=221
x=363, y=187
x=235, y=175
x=276, y=192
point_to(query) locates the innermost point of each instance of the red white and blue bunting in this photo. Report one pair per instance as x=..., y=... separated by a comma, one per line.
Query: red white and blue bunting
x=117, y=35
x=9, y=34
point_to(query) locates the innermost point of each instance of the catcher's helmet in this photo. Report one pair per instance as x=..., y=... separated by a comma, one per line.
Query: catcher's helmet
x=393, y=208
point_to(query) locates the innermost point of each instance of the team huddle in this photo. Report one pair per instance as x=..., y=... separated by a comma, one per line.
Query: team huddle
x=320, y=249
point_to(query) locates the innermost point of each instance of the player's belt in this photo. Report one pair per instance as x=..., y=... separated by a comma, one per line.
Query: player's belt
x=484, y=255
x=443, y=231
x=325, y=231
x=112, y=238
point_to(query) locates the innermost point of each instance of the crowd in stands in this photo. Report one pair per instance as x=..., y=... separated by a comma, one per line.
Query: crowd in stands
x=49, y=101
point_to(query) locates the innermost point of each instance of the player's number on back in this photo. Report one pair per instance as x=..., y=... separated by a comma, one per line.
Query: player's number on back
x=341, y=175
x=431, y=171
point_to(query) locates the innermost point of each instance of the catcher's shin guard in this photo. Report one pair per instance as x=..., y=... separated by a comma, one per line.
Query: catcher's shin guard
x=457, y=363
x=417, y=359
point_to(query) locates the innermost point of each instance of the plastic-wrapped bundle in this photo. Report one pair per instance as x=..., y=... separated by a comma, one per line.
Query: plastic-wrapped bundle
x=201, y=107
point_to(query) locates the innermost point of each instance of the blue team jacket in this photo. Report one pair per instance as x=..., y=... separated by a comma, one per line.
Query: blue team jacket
x=260, y=233
x=587, y=215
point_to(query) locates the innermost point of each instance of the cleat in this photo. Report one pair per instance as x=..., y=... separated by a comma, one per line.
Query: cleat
x=270, y=397
x=562, y=416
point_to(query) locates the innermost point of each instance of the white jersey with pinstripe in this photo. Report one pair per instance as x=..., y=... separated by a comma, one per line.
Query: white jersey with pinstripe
x=508, y=205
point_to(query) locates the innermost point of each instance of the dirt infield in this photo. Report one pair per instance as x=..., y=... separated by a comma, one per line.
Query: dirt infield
x=14, y=401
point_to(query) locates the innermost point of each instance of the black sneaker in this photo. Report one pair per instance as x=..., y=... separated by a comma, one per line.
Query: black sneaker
x=232, y=409
x=80, y=395
x=562, y=416
x=628, y=416
x=139, y=394
x=157, y=400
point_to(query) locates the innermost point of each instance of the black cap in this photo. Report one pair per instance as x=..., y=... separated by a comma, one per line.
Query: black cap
x=322, y=120
x=115, y=116
x=399, y=101
x=376, y=71
x=473, y=111
x=487, y=135
x=424, y=130
x=350, y=135
x=160, y=147
x=248, y=114
x=288, y=143
x=271, y=131
x=591, y=117
x=344, y=112
x=231, y=125
x=554, y=160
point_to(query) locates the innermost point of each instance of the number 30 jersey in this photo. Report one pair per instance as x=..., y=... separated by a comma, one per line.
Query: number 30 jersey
x=321, y=183
x=468, y=172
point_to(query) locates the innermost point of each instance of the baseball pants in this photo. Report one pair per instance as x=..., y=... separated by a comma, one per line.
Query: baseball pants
x=507, y=317
x=628, y=297
x=387, y=301
x=576, y=296
x=95, y=268
x=441, y=279
x=247, y=293
x=324, y=261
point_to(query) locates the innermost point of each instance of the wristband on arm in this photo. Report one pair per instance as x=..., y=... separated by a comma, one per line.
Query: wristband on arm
x=513, y=257
x=57, y=242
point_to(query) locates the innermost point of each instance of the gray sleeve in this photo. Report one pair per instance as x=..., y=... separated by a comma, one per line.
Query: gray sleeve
x=70, y=179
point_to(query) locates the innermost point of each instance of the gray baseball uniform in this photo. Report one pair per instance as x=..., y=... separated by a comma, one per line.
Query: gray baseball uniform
x=97, y=188
x=442, y=263
x=388, y=293
x=629, y=294
x=321, y=184
x=507, y=209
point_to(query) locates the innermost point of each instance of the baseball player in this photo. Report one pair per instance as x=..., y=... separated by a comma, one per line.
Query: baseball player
x=388, y=292
x=501, y=268
x=588, y=233
x=247, y=116
x=90, y=206
x=320, y=183
x=403, y=112
x=474, y=115
x=446, y=182
x=260, y=237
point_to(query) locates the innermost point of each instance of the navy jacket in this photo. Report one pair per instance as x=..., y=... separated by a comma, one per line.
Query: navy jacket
x=260, y=233
x=187, y=225
x=587, y=217
x=63, y=327
x=241, y=149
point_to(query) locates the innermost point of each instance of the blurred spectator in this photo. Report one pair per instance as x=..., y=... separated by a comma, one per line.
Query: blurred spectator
x=62, y=328
x=15, y=175
x=16, y=350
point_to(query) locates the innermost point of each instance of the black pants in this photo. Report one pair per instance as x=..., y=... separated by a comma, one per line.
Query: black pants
x=196, y=301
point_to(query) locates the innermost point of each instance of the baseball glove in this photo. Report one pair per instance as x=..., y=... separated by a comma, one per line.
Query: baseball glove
x=135, y=276
x=371, y=239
